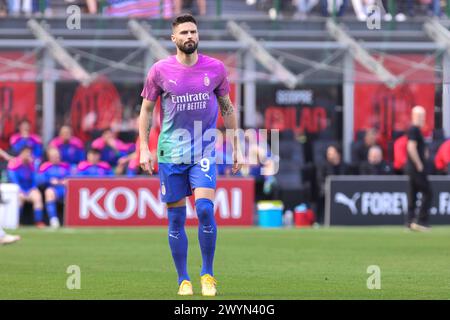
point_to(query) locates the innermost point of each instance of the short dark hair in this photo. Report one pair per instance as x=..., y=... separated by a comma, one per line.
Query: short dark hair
x=22, y=122
x=336, y=147
x=25, y=148
x=94, y=150
x=182, y=19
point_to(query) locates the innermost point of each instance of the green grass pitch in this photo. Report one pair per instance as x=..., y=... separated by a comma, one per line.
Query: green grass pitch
x=251, y=263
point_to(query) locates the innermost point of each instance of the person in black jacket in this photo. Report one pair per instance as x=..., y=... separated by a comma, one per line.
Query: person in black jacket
x=375, y=165
x=333, y=166
x=361, y=148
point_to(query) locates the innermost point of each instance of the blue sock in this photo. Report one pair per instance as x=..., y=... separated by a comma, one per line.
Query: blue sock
x=178, y=241
x=51, y=209
x=38, y=215
x=207, y=233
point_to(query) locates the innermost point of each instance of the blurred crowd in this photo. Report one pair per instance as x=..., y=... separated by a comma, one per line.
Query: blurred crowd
x=362, y=9
x=399, y=10
x=134, y=8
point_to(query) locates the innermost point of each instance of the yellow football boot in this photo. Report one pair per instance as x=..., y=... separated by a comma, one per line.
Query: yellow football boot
x=185, y=288
x=208, y=285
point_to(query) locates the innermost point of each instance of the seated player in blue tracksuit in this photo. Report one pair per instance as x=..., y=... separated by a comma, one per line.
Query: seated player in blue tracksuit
x=71, y=148
x=133, y=167
x=52, y=175
x=24, y=138
x=128, y=165
x=93, y=167
x=21, y=171
x=111, y=148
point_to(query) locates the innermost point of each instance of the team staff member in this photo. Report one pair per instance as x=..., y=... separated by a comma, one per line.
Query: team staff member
x=418, y=180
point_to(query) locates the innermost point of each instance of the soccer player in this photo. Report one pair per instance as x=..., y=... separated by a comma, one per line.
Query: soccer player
x=4, y=237
x=7, y=238
x=22, y=172
x=111, y=148
x=25, y=138
x=52, y=175
x=70, y=147
x=93, y=167
x=191, y=86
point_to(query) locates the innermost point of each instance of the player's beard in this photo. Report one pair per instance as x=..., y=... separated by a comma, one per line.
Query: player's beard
x=188, y=47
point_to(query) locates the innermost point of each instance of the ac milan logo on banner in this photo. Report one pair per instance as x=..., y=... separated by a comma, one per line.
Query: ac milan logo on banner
x=95, y=107
x=17, y=94
x=391, y=109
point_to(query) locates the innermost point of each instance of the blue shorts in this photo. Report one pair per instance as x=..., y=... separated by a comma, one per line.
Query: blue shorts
x=178, y=180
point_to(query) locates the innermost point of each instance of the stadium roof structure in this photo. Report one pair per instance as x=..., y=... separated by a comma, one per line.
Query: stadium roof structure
x=313, y=51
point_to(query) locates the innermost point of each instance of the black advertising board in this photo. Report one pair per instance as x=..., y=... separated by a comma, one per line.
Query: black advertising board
x=380, y=200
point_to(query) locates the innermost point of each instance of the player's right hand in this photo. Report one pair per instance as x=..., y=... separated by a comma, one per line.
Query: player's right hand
x=419, y=167
x=146, y=160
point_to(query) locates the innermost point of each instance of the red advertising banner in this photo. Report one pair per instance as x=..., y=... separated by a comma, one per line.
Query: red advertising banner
x=389, y=110
x=136, y=202
x=17, y=93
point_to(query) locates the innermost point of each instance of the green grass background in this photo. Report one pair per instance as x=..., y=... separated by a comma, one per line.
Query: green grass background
x=251, y=263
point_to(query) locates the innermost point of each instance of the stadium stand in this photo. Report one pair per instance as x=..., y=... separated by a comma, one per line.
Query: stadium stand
x=305, y=44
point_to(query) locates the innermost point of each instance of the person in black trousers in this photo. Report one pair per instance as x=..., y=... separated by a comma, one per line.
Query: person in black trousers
x=418, y=180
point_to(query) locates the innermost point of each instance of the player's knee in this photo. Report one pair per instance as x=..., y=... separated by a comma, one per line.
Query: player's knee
x=176, y=217
x=36, y=198
x=179, y=203
x=205, y=211
x=50, y=194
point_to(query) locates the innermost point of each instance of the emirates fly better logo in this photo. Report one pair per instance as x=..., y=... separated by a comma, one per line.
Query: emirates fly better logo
x=190, y=101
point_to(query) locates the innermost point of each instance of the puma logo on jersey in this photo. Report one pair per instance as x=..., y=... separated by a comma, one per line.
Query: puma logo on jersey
x=173, y=81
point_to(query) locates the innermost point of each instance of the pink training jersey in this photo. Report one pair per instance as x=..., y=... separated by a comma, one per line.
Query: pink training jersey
x=188, y=106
